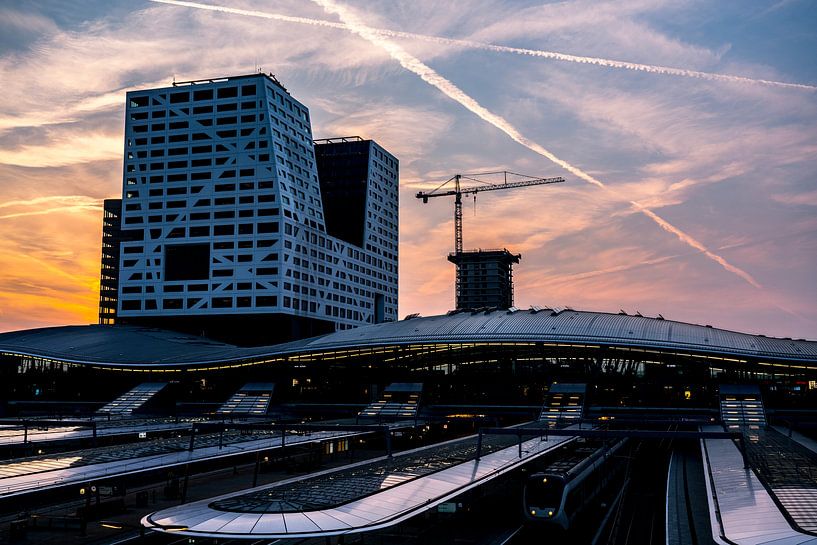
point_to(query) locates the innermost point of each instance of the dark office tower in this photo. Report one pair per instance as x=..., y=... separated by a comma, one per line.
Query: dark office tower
x=358, y=180
x=109, y=274
x=484, y=278
x=353, y=171
x=232, y=235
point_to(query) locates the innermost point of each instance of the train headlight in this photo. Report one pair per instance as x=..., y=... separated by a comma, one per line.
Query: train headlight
x=533, y=512
x=550, y=513
x=545, y=480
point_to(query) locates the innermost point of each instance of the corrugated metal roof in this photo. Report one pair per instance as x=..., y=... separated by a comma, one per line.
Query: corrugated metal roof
x=570, y=326
x=134, y=346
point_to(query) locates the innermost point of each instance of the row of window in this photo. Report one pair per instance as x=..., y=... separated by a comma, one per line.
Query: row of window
x=218, y=201
x=180, y=97
x=193, y=287
x=197, y=110
x=178, y=151
x=215, y=273
x=216, y=245
x=195, y=163
x=222, y=134
x=204, y=122
x=206, y=216
x=174, y=303
x=209, y=94
x=196, y=231
x=177, y=303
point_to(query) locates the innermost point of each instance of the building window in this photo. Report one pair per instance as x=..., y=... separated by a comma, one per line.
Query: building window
x=138, y=102
x=228, y=92
x=204, y=94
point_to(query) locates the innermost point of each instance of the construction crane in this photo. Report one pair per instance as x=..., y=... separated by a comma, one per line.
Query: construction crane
x=457, y=192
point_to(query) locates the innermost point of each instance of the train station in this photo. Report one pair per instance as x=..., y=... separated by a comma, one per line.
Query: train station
x=249, y=380
x=566, y=419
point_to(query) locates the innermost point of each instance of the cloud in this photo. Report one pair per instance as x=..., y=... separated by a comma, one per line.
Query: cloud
x=727, y=162
x=470, y=44
x=49, y=275
x=431, y=77
x=72, y=111
x=407, y=131
x=90, y=69
x=49, y=205
x=65, y=150
x=679, y=149
x=808, y=198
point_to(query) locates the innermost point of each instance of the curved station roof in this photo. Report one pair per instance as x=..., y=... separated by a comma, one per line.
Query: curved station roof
x=143, y=349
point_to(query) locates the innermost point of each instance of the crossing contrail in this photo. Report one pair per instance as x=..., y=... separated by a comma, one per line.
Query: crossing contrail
x=430, y=76
x=470, y=44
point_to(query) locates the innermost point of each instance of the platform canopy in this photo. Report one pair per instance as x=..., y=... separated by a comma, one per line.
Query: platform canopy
x=556, y=330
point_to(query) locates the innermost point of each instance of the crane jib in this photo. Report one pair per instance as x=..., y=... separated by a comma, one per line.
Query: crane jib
x=492, y=187
x=458, y=192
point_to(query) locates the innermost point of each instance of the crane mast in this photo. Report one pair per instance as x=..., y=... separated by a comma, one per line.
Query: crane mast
x=457, y=217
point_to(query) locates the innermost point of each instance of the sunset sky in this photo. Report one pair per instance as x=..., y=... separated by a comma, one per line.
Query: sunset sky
x=688, y=194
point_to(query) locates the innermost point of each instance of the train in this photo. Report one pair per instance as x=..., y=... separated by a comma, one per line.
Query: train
x=559, y=494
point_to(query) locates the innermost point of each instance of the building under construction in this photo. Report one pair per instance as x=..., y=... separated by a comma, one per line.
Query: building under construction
x=484, y=278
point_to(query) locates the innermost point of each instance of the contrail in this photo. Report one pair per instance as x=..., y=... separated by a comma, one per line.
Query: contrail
x=430, y=76
x=51, y=210
x=66, y=203
x=610, y=270
x=411, y=63
x=688, y=240
x=77, y=200
x=470, y=44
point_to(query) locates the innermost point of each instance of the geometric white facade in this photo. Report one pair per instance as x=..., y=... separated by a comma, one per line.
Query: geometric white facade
x=223, y=209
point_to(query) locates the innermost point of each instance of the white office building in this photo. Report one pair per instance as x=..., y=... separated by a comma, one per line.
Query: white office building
x=234, y=219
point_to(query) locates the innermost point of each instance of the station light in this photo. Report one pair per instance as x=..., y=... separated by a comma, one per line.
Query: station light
x=174, y=528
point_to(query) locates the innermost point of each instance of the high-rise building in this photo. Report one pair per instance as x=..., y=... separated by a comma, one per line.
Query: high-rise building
x=238, y=226
x=109, y=270
x=484, y=278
